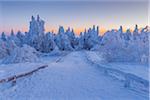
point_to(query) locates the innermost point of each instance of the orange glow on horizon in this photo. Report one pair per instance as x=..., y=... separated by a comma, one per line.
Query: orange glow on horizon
x=55, y=30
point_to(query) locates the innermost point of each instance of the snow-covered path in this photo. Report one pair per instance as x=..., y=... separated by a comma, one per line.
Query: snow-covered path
x=72, y=78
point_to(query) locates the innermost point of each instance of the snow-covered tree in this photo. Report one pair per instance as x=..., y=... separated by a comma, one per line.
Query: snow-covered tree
x=22, y=54
x=3, y=36
x=14, y=38
x=6, y=47
x=81, y=41
x=62, y=40
x=49, y=44
x=3, y=49
x=136, y=33
x=35, y=35
x=117, y=45
x=36, y=26
x=126, y=46
x=72, y=38
x=90, y=38
x=21, y=37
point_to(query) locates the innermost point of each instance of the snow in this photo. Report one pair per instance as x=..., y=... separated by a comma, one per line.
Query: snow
x=115, y=44
x=22, y=54
x=133, y=79
x=73, y=77
x=7, y=70
x=133, y=68
x=137, y=69
x=3, y=50
x=89, y=39
x=62, y=40
x=96, y=56
x=92, y=67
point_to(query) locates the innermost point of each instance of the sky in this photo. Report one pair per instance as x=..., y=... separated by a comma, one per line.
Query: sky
x=109, y=14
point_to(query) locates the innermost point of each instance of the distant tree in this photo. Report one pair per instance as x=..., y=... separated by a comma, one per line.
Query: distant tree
x=3, y=36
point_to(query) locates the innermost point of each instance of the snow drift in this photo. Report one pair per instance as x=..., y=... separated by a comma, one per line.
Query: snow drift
x=22, y=54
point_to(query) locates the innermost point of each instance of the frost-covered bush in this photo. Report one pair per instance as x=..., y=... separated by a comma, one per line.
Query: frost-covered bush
x=62, y=40
x=120, y=46
x=6, y=46
x=49, y=44
x=22, y=54
x=14, y=38
x=3, y=49
x=89, y=39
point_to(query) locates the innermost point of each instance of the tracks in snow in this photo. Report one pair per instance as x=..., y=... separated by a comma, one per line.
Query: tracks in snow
x=130, y=80
x=71, y=77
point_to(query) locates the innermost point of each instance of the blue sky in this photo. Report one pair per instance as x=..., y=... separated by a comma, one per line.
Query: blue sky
x=76, y=14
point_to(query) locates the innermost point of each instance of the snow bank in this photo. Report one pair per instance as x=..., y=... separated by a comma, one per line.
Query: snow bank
x=55, y=53
x=96, y=56
x=22, y=54
x=7, y=70
x=140, y=70
x=131, y=80
x=136, y=83
x=72, y=77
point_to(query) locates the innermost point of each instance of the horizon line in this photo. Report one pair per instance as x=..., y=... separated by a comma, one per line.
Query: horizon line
x=102, y=31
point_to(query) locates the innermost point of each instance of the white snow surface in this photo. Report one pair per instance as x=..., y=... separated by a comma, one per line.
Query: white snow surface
x=8, y=70
x=140, y=70
x=71, y=78
x=22, y=54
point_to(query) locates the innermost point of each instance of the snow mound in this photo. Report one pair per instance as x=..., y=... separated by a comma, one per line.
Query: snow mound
x=55, y=52
x=22, y=54
x=96, y=56
x=130, y=78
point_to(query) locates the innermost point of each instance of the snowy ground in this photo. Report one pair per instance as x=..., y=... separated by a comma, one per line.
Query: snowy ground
x=137, y=69
x=69, y=77
x=13, y=69
x=7, y=70
x=140, y=70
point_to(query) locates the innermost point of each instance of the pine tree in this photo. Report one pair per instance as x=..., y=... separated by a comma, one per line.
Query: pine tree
x=3, y=36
